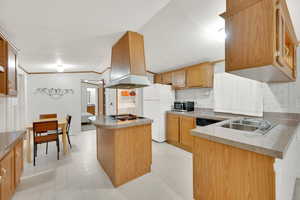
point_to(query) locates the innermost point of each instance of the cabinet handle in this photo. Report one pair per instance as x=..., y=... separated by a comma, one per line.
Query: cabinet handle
x=3, y=171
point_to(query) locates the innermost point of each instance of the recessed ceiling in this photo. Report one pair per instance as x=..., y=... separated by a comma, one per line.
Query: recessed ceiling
x=79, y=34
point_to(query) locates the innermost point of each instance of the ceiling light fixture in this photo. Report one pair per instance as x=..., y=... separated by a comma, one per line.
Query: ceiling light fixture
x=60, y=68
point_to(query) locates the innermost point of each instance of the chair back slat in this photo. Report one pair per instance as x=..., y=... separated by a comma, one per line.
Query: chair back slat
x=42, y=127
x=48, y=116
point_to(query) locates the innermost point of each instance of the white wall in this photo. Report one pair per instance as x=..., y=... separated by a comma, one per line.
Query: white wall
x=13, y=109
x=68, y=104
x=278, y=97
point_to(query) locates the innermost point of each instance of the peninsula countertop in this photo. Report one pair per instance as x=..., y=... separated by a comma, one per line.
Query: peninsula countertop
x=275, y=143
x=8, y=140
x=110, y=123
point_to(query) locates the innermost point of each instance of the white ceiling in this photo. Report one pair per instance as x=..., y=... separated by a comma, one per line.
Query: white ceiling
x=81, y=33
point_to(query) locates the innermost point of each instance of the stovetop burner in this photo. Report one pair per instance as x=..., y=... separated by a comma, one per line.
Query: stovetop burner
x=125, y=117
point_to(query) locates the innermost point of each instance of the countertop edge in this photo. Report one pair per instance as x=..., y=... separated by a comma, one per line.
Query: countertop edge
x=119, y=126
x=248, y=147
x=12, y=144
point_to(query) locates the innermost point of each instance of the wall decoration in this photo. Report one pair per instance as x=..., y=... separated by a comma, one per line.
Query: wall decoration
x=54, y=92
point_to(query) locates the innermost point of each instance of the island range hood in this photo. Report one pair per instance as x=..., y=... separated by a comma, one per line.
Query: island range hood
x=128, y=68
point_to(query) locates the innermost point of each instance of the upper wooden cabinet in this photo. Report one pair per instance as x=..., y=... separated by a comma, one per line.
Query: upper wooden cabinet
x=261, y=42
x=128, y=56
x=167, y=78
x=178, y=79
x=158, y=78
x=8, y=60
x=200, y=75
x=195, y=76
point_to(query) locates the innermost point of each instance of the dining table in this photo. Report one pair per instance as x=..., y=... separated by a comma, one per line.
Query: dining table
x=62, y=123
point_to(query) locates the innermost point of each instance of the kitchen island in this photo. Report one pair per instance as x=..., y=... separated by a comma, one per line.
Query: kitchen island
x=124, y=147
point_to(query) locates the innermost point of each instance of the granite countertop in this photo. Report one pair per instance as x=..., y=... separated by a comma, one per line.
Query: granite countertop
x=8, y=140
x=110, y=123
x=275, y=143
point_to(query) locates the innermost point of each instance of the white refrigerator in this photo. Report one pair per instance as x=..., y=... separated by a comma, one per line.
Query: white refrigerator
x=157, y=99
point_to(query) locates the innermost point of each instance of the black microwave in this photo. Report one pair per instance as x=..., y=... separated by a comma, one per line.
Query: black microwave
x=185, y=106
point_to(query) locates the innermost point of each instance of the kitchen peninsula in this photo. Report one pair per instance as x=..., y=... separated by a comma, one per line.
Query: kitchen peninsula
x=240, y=163
x=124, y=148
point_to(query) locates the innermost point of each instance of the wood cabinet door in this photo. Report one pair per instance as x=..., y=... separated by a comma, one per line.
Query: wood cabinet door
x=178, y=79
x=3, y=63
x=12, y=72
x=157, y=78
x=7, y=174
x=200, y=75
x=250, y=37
x=167, y=78
x=19, y=162
x=186, y=124
x=173, y=128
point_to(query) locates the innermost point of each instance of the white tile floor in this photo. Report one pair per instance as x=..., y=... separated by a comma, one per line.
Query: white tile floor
x=297, y=190
x=79, y=176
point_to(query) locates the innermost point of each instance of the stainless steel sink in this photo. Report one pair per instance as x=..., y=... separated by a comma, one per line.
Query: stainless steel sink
x=252, y=125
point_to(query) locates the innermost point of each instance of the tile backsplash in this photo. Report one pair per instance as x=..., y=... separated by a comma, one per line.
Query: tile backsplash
x=203, y=97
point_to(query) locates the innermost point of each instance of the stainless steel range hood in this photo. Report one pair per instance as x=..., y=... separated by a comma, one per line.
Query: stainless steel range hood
x=128, y=68
x=129, y=82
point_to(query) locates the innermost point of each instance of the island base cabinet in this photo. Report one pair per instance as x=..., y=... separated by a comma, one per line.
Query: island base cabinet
x=125, y=153
x=228, y=173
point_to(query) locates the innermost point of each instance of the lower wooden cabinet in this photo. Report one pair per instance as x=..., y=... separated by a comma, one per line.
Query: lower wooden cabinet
x=11, y=168
x=178, y=131
x=7, y=176
x=186, y=124
x=19, y=164
x=173, y=125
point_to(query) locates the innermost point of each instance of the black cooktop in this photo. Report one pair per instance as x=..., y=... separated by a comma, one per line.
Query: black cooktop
x=125, y=117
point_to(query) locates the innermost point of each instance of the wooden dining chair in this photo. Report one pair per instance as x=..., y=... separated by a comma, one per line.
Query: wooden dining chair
x=60, y=132
x=48, y=116
x=41, y=135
